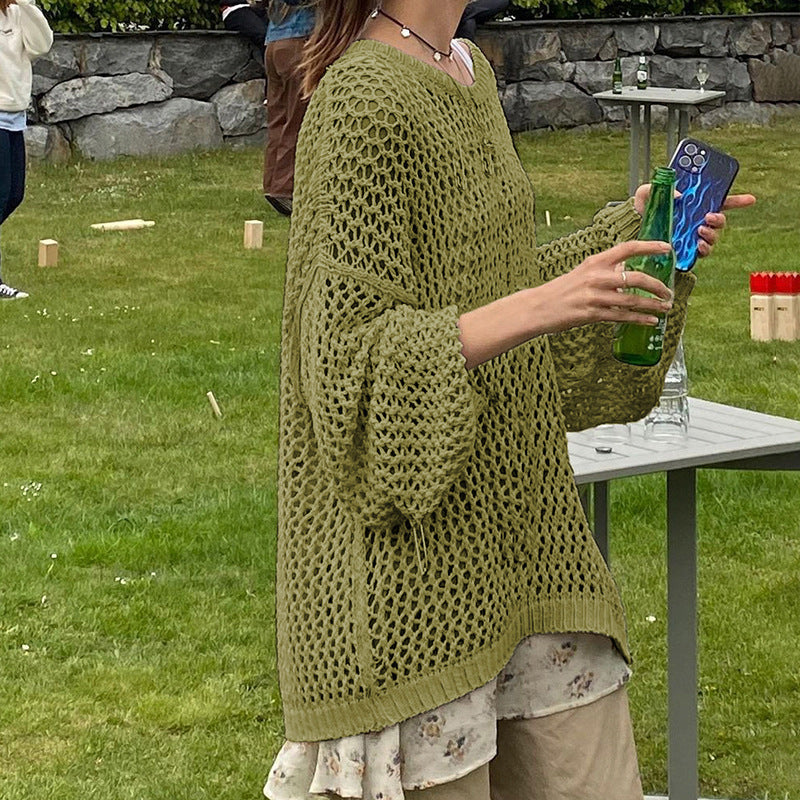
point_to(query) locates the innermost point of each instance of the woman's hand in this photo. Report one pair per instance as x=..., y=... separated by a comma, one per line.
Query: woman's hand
x=592, y=292
x=714, y=222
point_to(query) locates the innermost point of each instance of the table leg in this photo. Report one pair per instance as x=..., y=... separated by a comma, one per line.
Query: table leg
x=647, y=143
x=683, y=123
x=633, y=166
x=600, y=517
x=682, y=634
x=672, y=132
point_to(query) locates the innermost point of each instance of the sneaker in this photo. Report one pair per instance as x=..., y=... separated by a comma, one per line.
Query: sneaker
x=283, y=205
x=9, y=293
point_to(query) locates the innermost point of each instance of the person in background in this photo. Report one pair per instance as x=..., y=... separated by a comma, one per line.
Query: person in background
x=247, y=19
x=476, y=13
x=290, y=24
x=24, y=35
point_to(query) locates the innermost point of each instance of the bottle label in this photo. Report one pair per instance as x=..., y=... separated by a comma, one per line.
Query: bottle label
x=641, y=75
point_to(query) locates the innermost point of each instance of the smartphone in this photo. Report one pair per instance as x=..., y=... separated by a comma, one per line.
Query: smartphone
x=704, y=178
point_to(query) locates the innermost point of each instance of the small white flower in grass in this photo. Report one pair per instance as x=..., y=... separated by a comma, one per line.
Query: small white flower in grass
x=26, y=648
x=35, y=378
x=122, y=582
x=44, y=599
x=53, y=372
x=14, y=536
x=88, y=352
x=53, y=555
x=650, y=618
x=213, y=341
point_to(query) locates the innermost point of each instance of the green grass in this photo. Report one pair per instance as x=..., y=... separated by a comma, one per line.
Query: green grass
x=149, y=670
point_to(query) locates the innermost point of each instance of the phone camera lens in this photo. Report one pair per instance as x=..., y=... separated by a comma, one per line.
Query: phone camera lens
x=691, y=149
x=685, y=161
x=698, y=161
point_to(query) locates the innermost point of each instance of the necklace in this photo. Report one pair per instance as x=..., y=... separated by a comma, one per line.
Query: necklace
x=405, y=32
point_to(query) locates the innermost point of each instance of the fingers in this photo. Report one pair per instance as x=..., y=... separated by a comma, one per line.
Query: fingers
x=739, y=201
x=636, y=247
x=717, y=221
x=710, y=235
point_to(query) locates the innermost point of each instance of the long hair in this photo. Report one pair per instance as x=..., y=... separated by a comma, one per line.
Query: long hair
x=4, y=4
x=338, y=23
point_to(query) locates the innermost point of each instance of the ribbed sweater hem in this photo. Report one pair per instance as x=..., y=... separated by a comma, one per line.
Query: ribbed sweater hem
x=375, y=712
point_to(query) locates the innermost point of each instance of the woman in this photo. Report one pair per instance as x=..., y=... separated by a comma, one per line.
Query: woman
x=24, y=35
x=446, y=626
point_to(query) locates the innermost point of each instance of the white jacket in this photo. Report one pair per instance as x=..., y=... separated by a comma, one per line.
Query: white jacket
x=24, y=35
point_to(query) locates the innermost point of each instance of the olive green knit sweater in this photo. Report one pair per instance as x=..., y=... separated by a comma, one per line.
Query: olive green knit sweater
x=428, y=517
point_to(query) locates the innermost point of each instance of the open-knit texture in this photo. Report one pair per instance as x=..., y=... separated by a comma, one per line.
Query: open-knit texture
x=428, y=516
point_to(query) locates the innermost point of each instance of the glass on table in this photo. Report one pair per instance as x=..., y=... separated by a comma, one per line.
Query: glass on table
x=702, y=75
x=609, y=434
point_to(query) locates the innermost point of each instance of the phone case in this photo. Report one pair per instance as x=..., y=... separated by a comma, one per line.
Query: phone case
x=704, y=178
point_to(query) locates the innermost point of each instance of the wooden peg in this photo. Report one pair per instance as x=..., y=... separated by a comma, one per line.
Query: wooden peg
x=214, y=405
x=253, y=234
x=48, y=253
x=124, y=225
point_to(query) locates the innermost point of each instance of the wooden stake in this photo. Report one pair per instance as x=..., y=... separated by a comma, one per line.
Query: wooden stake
x=48, y=253
x=124, y=225
x=253, y=234
x=214, y=405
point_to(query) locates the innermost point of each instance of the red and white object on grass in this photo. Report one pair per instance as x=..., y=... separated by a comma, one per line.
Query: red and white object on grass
x=787, y=306
x=762, y=306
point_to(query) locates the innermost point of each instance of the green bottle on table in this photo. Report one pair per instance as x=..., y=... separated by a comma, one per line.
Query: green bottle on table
x=616, y=79
x=641, y=73
x=642, y=344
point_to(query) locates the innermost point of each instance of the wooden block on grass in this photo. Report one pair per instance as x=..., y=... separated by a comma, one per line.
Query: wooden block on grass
x=253, y=234
x=48, y=253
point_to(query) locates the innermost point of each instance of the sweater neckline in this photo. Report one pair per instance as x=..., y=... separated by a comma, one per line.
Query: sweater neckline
x=427, y=73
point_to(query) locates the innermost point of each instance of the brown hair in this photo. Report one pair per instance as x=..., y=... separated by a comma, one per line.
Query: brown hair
x=4, y=4
x=337, y=25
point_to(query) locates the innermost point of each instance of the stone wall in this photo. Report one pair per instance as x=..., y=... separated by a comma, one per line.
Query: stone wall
x=105, y=95
x=547, y=71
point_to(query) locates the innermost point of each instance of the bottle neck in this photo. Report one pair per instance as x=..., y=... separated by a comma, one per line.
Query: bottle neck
x=657, y=220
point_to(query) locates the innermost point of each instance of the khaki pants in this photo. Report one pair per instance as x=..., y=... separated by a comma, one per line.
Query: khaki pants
x=285, y=112
x=586, y=753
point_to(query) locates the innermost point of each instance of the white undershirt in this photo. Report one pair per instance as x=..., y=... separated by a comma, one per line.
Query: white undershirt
x=465, y=55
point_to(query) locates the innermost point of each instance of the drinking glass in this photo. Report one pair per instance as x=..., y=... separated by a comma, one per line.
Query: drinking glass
x=702, y=75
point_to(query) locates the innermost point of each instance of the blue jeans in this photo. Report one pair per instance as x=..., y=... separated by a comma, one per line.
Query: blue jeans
x=12, y=173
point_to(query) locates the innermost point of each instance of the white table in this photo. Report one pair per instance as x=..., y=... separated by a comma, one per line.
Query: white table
x=722, y=437
x=678, y=103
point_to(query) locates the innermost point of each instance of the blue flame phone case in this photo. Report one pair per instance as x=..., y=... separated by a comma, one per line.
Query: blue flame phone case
x=704, y=178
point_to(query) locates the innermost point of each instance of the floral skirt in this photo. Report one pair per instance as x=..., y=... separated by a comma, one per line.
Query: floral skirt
x=547, y=673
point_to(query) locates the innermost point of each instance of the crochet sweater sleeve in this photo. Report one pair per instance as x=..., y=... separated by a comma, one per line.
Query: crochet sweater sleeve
x=595, y=387
x=381, y=371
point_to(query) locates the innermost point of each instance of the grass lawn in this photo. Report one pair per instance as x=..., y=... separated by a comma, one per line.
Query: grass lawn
x=137, y=531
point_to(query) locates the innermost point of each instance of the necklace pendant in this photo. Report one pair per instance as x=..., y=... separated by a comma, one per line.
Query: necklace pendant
x=374, y=14
x=437, y=56
x=405, y=32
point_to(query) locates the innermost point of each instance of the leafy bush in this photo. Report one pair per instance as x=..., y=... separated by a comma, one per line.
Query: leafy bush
x=577, y=9
x=70, y=16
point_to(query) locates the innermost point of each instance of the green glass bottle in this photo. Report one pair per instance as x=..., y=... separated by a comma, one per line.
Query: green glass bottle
x=616, y=79
x=641, y=73
x=642, y=344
